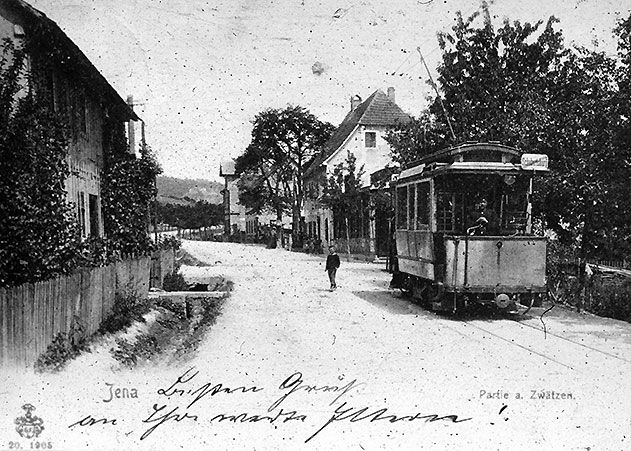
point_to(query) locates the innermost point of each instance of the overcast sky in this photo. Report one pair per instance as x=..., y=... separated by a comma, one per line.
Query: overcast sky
x=203, y=69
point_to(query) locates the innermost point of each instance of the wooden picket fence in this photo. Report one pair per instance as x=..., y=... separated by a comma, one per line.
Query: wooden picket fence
x=31, y=315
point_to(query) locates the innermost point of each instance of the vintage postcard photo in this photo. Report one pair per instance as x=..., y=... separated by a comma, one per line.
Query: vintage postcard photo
x=315, y=224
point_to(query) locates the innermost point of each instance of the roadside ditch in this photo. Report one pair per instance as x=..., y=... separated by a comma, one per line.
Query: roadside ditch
x=165, y=327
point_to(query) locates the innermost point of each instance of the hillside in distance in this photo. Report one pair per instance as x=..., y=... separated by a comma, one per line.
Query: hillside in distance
x=172, y=190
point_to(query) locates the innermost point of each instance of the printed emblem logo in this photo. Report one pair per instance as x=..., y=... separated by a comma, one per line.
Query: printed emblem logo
x=29, y=426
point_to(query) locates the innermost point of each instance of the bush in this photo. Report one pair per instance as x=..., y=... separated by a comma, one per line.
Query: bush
x=178, y=309
x=98, y=251
x=174, y=282
x=125, y=311
x=611, y=299
x=65, y=347
x=129, y=354
x=127, y=188
x=170, y=242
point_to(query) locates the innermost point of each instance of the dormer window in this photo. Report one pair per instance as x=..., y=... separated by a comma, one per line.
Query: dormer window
x=371, y=139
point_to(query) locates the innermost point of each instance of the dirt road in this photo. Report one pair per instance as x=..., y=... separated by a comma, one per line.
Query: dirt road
x=290, y=365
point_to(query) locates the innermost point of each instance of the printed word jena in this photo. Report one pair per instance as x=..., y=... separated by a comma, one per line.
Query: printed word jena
x=117, y=393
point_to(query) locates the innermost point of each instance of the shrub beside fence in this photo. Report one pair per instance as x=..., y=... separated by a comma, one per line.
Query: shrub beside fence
x=31, y=315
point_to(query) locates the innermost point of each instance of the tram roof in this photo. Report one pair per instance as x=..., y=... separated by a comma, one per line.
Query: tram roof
x=473, y=158
x=451, y=153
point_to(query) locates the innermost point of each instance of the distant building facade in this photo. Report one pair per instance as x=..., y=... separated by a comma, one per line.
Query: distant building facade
x=362, y=134
x=234, y=213
x=96, y=115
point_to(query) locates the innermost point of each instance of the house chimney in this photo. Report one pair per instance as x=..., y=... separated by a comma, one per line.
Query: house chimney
x=391, y=94
x=355, y=101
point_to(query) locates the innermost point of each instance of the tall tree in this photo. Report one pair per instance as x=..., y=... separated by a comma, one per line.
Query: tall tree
x=284, y=142
x=495, y=86
x=519, y=85
x=261, y=185
x=584, y=199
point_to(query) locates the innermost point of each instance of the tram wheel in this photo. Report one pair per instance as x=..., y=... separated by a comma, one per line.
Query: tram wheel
x=461, y=305
x=406, y=286
x=435, y=293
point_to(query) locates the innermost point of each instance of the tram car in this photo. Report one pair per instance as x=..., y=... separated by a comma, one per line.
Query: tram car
x=463, y=228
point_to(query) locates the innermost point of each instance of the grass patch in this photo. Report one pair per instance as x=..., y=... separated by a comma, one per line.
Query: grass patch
x=178, y=309
x=65, y=347
x=173, y=336
x=129, y=354
x=125, y=311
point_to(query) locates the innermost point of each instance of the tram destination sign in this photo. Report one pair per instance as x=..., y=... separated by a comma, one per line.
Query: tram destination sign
x=534, y=161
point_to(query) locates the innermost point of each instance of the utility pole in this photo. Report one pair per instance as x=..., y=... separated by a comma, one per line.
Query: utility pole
x=131, y=132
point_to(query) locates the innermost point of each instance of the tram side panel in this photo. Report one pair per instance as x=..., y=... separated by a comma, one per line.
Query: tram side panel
x=415, y=253
x=495, y=264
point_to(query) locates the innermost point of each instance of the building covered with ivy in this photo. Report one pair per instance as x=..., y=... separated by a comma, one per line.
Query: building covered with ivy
x=93, y=113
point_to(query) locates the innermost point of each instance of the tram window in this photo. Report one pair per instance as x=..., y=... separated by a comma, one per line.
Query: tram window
x=445, y=212
x=402, y=202
x=514, y=214
x=422, y=205
x=450, y=212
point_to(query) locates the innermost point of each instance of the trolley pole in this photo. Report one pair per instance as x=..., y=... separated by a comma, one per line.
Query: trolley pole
x=440, y=99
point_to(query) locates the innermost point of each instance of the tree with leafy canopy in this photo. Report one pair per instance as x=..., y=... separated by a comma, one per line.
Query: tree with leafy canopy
x=522, y=87
x=343, y=193
x=284, y=142
x=193, y=216
x=495, y=86
x=261, y=186
x=586, y=198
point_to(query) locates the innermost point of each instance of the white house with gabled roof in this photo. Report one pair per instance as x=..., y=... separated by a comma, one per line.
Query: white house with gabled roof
x=361, y=133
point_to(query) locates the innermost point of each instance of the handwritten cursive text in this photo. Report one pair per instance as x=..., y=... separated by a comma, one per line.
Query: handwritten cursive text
x=354, y=415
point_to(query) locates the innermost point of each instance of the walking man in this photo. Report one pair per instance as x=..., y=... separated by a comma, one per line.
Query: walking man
x=332, y=263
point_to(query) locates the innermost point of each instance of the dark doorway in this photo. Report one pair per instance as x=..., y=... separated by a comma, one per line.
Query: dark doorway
x=382, y=231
